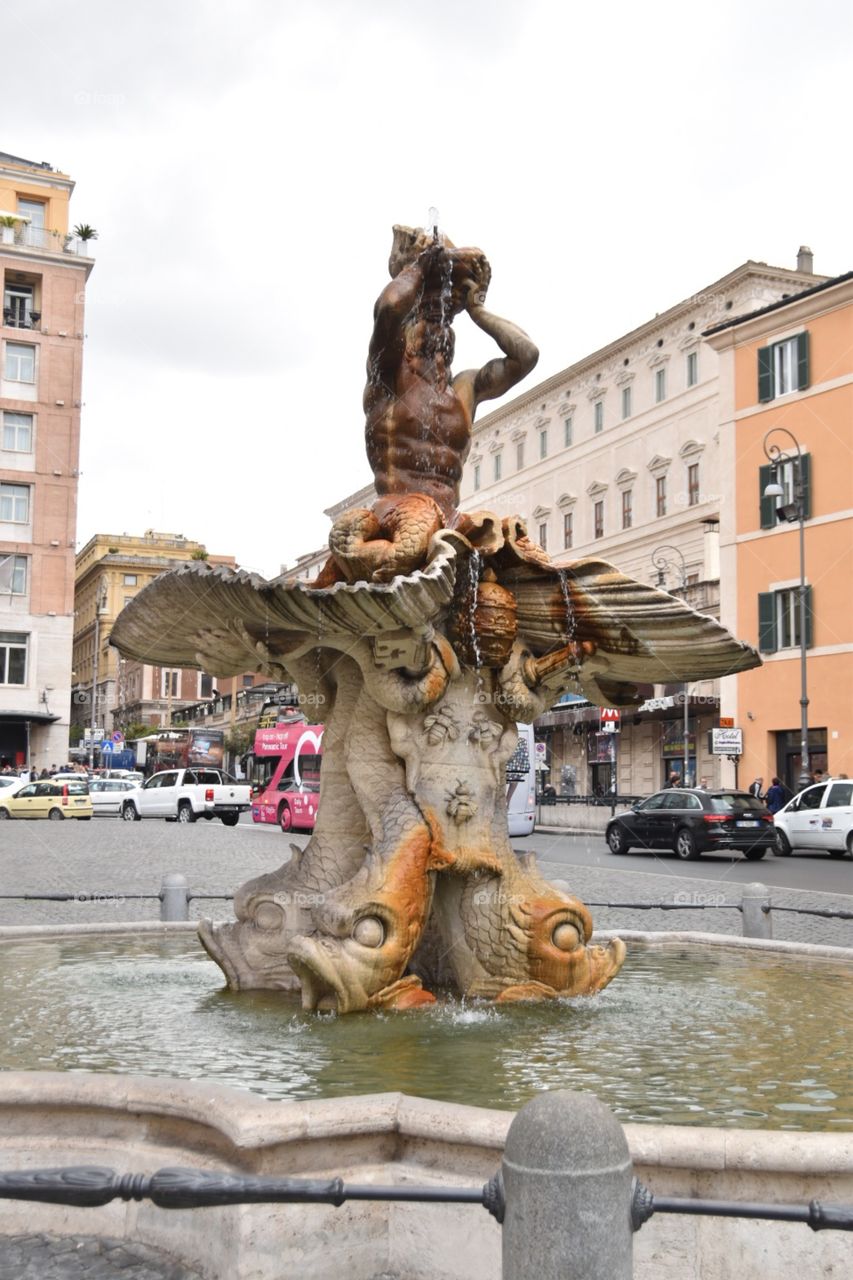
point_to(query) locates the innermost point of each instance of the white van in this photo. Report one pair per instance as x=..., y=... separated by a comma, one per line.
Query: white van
x=820, y=817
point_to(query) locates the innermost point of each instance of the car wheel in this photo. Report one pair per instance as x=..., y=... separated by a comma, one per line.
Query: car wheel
x=849, y=843
x=685, y=845
x=783, y=845
x=129, y=813
x=285, y=818
x=185, y=813
x=4, y=813
x=56, y=815
x=754, y=855
x=230, y=819
x=616, y=841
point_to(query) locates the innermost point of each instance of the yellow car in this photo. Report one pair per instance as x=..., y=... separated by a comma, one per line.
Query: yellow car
x=55, y=800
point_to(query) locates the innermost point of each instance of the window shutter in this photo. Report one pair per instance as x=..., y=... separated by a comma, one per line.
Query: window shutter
x=809, y=619
x=806, y=463
x=768, y=505
x=767, y=622
x=765, y=374
x=802, y=361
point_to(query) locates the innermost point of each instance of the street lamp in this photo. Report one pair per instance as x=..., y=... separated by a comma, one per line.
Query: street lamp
x=792, y=511
x=100, y=608
x=662, y=559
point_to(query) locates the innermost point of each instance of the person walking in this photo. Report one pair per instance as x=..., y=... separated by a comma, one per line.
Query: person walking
x=777, y=795
x=755, y=788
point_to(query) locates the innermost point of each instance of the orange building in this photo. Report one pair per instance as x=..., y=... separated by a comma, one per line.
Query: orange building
x=786, y=379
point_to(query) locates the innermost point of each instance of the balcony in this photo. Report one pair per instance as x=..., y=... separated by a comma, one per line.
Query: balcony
x=16, y=318
x=702, y=596
x=42, y=240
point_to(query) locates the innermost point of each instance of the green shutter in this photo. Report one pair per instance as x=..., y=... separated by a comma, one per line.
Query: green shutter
x=802, y=361
x=806, y=463
x=767, y=622
x=809, y=619
x=768, y=505
x=765, y=374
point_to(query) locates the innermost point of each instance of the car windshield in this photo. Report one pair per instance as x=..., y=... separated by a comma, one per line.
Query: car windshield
x=735, y=804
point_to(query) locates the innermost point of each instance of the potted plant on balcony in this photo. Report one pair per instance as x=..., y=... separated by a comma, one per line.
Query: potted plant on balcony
x=7, y=228
x=85, y=233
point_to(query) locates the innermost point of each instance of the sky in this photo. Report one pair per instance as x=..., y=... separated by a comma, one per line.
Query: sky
x=244, y=163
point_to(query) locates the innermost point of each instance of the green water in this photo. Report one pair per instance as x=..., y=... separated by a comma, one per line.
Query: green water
x=722, y=1039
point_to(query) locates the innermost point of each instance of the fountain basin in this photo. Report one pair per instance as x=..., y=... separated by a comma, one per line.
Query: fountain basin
x=700, y=1030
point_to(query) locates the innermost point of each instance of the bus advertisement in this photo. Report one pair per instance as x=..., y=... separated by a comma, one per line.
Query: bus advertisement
x=284, y=770
x=180, y=749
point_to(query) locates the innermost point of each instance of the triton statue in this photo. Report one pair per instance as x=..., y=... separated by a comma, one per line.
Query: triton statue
x=428, y=635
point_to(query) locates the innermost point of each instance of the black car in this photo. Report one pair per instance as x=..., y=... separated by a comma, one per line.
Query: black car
x=695, y=821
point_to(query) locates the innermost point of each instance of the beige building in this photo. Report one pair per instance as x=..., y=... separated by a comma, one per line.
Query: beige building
x=618, y=457
x=44, y=271
x=110, y=692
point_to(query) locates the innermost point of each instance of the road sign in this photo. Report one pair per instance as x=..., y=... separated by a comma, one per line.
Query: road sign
x=727, y=742
x=106, y=748
x=118, y=736
x=609, y=719
x=727, y=722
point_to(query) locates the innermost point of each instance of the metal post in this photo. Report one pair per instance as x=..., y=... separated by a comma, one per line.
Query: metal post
x=805, y=761
x=662, y=563
x=94, y=721
x=567, y=1181
x=757, y=919
x=174, y=897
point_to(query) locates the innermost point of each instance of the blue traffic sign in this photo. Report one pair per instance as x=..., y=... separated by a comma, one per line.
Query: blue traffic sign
x=107, y=748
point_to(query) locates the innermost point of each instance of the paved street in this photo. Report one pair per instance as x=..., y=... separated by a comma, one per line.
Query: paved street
x=116, y=859
x=45, y=1257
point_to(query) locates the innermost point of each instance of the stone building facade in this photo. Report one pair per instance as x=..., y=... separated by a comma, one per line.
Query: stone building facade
x=44, y=270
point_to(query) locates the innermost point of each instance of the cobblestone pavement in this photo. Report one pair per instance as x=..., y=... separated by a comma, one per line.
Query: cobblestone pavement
x=45, y=1257
x=117, y=859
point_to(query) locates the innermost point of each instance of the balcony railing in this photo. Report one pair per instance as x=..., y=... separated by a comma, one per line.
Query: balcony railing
x=14, y=318
x=699, y=595
x=42, y=239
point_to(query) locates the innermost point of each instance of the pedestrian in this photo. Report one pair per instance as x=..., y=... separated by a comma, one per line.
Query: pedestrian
x=776, y=796
x=703, y=784
x=674, y=780
x=818, y=775
x=34, y=775
x=755, y=788
x=44, y=773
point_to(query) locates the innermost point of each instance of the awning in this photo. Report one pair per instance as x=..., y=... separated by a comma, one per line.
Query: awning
x=23, y=717
x=669, y=708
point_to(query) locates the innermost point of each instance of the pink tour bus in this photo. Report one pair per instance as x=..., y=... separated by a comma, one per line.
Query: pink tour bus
x=284, y=770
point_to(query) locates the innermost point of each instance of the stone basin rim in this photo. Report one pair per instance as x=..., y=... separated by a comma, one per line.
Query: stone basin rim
x=649, y=939
x=249, y=1123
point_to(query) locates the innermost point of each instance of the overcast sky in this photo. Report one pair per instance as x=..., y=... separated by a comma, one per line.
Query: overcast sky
x=243, y=164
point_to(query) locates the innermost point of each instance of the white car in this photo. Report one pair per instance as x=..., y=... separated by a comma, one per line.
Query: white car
x=107, y=794
x=10, y=784
x=820, y=817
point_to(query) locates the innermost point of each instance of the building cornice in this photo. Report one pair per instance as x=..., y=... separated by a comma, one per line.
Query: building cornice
x=787, y=313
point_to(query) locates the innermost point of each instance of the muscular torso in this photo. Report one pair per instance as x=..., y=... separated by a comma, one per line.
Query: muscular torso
x=418, y=429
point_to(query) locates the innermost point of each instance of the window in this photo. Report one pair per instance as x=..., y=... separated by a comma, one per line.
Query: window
x=626, y=403
x=13, y=657
x=693, y=484
x=20, y=363
x=779, y=619
x=784, y=475
x=519, y=456
x=17, y=432
x=598, y=416
x=692, y=368
x=840, y=795
x=205, y=686
x=498, y=465
x=13, y=575
x=568, y=432
x=543, y=536
x=660, y=385
x=169, y=684
x=34, y=232
x=543, y=444
x=568, y=532
x=598, y=519
x=15, y=503
x=129, y=580
x=476, y=475
x=660, y=495
x=18, y=306
x=248, y=682
x=627, y=508
x=783, y=367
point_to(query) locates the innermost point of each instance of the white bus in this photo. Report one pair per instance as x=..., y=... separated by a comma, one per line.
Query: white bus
x=521, y=784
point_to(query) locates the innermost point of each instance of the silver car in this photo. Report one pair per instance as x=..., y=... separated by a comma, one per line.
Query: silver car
x=107, y=794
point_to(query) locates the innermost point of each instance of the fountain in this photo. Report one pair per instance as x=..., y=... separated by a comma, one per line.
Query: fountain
x=427, y=635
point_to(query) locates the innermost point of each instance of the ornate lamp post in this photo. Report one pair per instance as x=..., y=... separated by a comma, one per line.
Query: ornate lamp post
x=663, y=558
x=100, y=609
x=792, y=511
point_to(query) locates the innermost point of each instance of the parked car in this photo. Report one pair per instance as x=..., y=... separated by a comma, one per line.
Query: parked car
x=695, y=821
x=10, y=784
x=820, y=817
x=51, y=799
x=108, y=793
x=184, y=795
x=132, y=775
